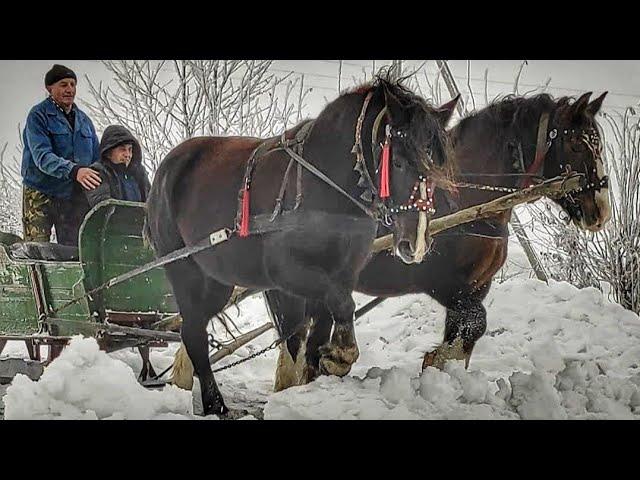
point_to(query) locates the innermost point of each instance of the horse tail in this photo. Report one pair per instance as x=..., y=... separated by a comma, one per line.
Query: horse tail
x=160, y=229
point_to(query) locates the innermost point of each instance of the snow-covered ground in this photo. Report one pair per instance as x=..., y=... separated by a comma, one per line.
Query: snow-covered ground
x=550, y=352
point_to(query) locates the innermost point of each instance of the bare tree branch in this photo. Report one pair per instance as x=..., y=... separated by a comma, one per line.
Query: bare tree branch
x=164, y=103
x=610, y=259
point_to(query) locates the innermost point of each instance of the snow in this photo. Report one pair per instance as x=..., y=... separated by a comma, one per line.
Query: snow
x=85, y=383
x=550, y=352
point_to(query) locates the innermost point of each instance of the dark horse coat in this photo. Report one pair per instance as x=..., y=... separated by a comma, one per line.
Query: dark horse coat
x=317, y=258
x=500, y=140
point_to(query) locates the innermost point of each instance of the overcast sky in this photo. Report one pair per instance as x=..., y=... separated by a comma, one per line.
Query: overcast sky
x=22, y=82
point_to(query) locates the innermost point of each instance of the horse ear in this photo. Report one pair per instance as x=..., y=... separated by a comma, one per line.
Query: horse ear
x=594, y=107
x=444, y=112
x=580, y=105
x=395, y=110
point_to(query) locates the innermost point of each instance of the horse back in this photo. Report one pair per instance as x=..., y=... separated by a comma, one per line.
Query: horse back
x=209, y=175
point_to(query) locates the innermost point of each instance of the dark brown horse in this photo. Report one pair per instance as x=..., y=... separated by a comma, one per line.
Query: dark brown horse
x=323, y=244
x=503, y=144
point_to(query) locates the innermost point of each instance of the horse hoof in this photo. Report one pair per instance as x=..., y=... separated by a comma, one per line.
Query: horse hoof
x=337, y=360
x=233, y=414
x=430, y=360
x=446, y=351
x=329, y=366
x=309, y=374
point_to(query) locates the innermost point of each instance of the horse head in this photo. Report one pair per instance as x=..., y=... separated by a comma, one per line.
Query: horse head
x=419, y=158
x=577, y=146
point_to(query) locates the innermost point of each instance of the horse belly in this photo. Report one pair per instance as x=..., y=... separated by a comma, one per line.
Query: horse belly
x=387, y=276
x=321, y=249
x=454, y=263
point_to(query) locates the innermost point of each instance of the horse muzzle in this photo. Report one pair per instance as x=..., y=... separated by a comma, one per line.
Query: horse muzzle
x=411, y=252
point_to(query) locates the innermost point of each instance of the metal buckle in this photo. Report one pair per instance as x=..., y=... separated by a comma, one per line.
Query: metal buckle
x=219, y=236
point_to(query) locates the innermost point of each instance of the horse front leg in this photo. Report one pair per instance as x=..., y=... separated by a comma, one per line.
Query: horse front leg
x=337, y=356
x=199, y=299
x=466, y=322
x=326, y=282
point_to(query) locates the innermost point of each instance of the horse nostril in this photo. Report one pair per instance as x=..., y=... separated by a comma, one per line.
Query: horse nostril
x=412, y=247
x=406, y=247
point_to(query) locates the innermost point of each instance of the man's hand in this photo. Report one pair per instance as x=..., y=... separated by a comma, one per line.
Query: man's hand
x=88, y=178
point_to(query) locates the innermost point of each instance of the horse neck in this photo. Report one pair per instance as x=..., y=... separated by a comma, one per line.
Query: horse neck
x=486, y=145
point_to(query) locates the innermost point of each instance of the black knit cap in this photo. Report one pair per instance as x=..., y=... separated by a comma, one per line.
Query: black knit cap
x=57, y=73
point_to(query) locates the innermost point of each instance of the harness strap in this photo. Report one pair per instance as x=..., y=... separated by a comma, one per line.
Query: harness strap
x=298, y=143
x=327, y=180
x=298, y=187
x=212, y=239
x=278, y=207
x=541, y=149
x=262, y=149
x=299, y=175
x=374, y=131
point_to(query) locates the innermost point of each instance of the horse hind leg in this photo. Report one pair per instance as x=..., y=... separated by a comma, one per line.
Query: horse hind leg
x=199, y=298
x=287, y=312
x=289, y=369
x=147, y=367
x=466, y=318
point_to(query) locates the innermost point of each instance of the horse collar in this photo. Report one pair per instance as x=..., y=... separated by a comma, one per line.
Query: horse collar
x=543, y=145
x=365, y=180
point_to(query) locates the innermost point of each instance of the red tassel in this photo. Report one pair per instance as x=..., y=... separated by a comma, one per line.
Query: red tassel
x=384, y=171
x=244, y=221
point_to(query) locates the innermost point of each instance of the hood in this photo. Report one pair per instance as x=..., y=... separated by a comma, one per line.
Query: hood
x=115, y=135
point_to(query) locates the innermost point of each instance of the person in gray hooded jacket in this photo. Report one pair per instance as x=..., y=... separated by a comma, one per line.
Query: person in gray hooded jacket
x=123, y=174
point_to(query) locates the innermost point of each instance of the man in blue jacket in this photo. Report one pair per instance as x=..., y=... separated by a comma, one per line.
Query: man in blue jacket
x=60, y=143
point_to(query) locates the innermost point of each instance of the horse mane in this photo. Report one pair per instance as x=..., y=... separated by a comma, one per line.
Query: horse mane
x=512, y=111
x=386, y=79
x=423, y=128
